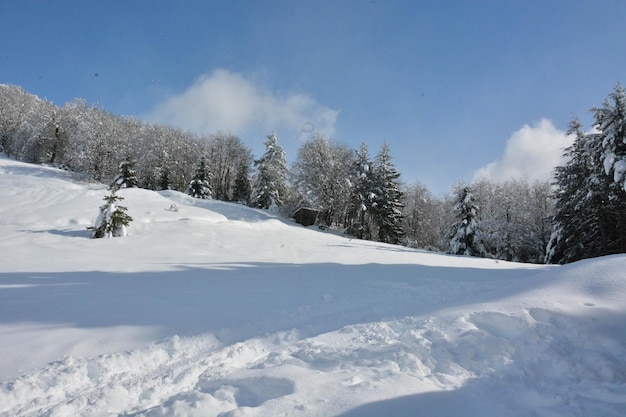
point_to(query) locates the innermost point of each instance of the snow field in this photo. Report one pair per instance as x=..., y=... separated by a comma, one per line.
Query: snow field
x=220, y=310
x=540, y=356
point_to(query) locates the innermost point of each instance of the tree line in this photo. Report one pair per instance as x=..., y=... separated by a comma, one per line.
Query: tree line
x=580, y=214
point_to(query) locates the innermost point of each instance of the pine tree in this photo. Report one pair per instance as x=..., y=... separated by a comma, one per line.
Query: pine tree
x=270, y=185
x=465, y=233
x=164, y=179
x=199, y=186
x=243, y=188
x=387, y=200
x=112, y=220
x=578, y=201
x=590, y=203
x=610, y=120
x=362, y=195
x=126, y=177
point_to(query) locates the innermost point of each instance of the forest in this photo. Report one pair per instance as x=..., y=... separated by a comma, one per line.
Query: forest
x=581, y=213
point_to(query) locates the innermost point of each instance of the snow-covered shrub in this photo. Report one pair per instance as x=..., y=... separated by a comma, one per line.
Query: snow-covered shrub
x=112, y=220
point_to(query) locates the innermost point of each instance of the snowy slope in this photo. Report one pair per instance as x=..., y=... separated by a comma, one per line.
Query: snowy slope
x=217, y=309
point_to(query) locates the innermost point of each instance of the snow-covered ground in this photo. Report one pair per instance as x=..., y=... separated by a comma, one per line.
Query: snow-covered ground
x=217, y=309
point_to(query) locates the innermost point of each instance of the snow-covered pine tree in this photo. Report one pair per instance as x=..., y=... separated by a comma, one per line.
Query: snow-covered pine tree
x=164, y=179
x=126, y=177
x=465, y=233
x=270, y=184
x=578, y=200
x=610, y=120
x=387, y=201
x=112, y=220
x=199, y=186
x=362, y=195
x=243, y=188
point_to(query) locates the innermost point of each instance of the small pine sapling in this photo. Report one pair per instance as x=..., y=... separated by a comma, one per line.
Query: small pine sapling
x=112, y=220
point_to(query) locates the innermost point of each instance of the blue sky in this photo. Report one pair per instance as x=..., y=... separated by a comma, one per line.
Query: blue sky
x=455, y=87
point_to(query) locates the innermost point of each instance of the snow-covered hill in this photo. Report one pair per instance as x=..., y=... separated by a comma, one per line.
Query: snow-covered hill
x=218, y=309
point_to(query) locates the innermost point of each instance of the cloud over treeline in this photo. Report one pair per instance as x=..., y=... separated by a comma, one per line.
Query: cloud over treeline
x=531, y=153
x=229, y=101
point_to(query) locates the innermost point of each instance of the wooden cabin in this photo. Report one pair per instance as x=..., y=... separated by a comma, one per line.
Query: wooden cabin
x=306, y=216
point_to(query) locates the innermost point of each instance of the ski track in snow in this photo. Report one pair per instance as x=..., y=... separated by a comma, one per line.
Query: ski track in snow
x=224, y=311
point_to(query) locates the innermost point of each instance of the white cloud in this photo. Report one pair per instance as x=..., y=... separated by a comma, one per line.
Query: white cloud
x=531, y=153
x=227, y=101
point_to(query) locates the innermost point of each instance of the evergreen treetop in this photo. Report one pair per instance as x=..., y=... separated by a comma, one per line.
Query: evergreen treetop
x=243, y=187
x=465, y=232
x=200, y=186
x=126, y=177
x=363, y=194
x=270, y=185
x=610, y=120
x=387, y=200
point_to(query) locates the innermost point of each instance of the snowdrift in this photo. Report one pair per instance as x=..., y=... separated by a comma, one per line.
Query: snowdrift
x=218, y=309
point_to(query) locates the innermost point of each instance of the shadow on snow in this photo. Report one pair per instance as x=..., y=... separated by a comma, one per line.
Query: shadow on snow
x=238, y=301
